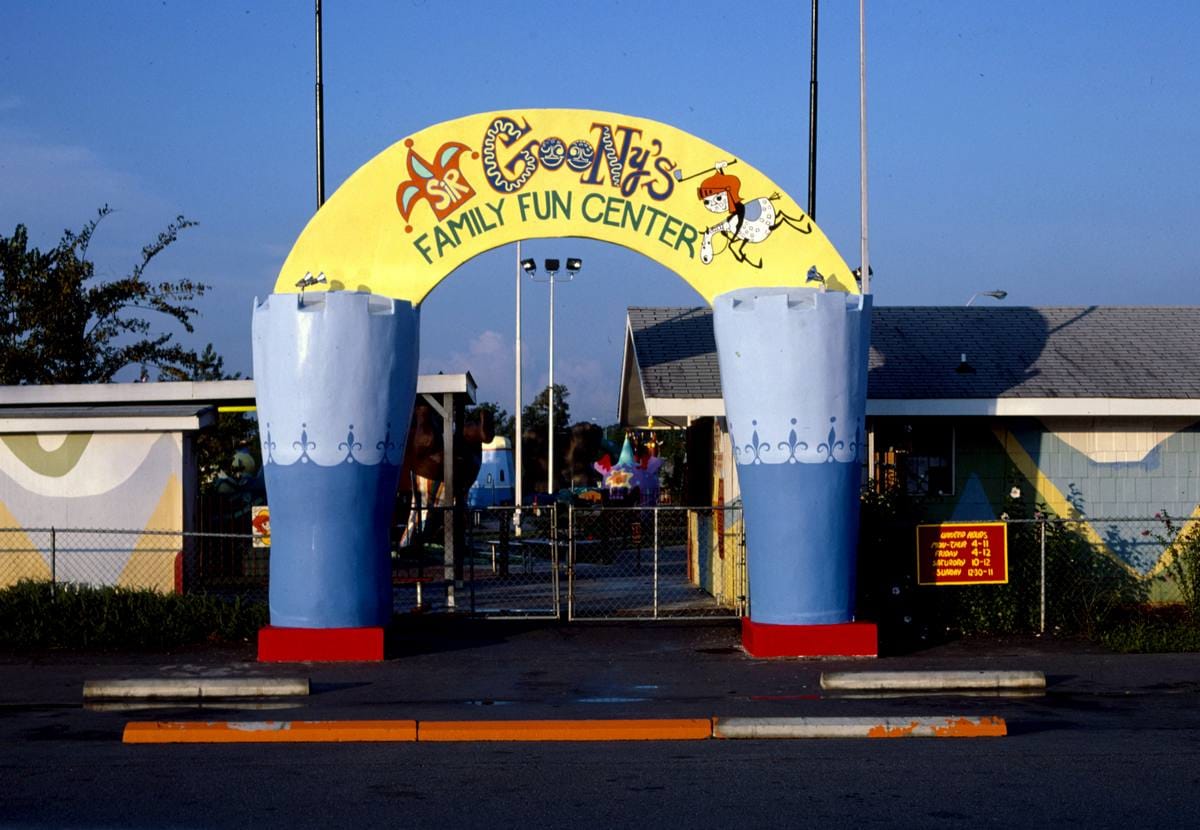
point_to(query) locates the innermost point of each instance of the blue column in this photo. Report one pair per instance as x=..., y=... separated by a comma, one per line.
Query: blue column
x=335, y=375
x=794, y=374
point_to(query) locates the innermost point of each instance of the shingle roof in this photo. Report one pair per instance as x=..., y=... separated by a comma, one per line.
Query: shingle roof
x=1061, y=352
x=676, y=352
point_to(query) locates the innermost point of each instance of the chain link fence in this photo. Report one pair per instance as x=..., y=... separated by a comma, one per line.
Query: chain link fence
x=655, y=563
x=1069, y=575
x=579, y=562
x=225, y=564
x=1065, y=575
x=502, y=563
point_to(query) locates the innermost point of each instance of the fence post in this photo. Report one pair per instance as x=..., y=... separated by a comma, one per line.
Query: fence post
x=744, y=586
x=53, y=562
x=570, y=565
x=656, y=509
x=1042, y=630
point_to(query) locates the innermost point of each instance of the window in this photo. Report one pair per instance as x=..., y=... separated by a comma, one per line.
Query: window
x=916, y=456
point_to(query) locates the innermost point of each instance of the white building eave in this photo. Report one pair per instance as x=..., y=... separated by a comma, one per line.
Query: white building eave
x=1017, y=407
x=682, y=408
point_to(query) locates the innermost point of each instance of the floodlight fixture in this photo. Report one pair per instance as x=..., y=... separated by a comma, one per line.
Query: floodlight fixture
x=528, y=266
x=552, y=266
x=574, y=264
x=309, y=280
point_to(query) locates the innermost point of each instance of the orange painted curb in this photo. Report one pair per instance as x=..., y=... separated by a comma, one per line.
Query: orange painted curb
x=987, y=727
x=663, y=729
x=258, y=732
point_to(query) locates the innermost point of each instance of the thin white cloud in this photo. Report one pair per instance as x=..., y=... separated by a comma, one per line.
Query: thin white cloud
x=489, y=358
x=52, y=186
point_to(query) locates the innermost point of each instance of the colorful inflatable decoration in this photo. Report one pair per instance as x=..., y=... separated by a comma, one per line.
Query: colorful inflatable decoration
x=633, y=480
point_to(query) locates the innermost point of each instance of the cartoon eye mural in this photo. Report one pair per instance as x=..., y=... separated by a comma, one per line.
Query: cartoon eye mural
x=579, y=155
x=552, y=153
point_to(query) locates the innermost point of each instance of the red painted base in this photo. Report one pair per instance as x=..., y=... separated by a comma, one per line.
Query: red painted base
x=319, y=645
x=853, y=639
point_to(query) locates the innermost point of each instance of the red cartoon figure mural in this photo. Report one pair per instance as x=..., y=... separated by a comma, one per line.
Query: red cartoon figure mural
x=746, y=221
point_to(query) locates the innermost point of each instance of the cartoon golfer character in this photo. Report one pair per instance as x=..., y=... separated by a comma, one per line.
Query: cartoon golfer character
x=745, y=221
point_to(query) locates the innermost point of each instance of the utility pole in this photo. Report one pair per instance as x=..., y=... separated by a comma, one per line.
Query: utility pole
x=812, y=119
x=320, y=92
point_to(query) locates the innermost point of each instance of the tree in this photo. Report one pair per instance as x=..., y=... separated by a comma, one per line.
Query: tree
x=59, y=324
x=534, y=416
x=504, y=422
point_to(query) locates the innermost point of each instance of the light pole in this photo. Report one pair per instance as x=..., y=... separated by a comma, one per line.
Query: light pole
x=526, y=266
x=996, y=295
x=552, y=267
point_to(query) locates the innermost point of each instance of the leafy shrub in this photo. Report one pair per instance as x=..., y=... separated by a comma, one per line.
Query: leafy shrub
x=1182, y=559
x=41, y=615
x=1085, y=589
x=1153, y=629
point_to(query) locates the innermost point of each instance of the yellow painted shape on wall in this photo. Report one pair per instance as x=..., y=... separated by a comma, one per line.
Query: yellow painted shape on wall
x=427, y=204
x=1053, y=498
x=152, y=563
x=19, y=558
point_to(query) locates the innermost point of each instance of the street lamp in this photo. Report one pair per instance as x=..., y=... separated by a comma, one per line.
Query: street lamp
x=996, y=295
x=552, y=268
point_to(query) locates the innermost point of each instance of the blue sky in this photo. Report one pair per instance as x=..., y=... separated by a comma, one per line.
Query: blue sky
x=1048, y=149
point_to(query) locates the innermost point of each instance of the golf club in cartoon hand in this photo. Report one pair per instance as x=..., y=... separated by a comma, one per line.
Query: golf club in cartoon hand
x=745, y=221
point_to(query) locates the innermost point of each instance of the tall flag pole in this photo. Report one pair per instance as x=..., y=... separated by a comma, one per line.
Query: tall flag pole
x=862, y=142
x=812, y=119
x=320, y=92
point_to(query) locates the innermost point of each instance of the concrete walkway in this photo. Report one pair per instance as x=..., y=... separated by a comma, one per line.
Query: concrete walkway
x=467, y=670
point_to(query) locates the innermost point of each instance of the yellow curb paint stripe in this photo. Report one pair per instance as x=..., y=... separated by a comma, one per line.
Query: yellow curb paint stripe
x=649, y=729
x=242, y=732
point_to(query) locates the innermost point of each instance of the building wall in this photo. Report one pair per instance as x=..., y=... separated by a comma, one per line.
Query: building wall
x=717, y=555
x=72, y=482
x=1090, y=469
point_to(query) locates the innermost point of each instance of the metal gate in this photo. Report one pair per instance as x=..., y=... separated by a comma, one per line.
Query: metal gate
x=514, y=566
x=655, y=563
x=584, y=563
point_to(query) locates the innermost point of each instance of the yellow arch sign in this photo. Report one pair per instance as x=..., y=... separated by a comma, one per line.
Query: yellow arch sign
x=427, y=204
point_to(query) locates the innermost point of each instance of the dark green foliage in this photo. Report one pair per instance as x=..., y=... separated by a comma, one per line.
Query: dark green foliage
x=1152, y=629
x=1182, y=563
x=504, y=422
x=41, y=615
x=1086, y=590
x=59, y=324
x=534, y=417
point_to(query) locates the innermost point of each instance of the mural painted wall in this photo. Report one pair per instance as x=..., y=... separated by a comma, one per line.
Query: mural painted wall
x=127, y=481
x=1086, y=468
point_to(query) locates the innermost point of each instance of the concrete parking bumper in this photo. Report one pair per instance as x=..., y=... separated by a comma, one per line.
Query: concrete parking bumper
x=192, y=688
x=890, y=681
